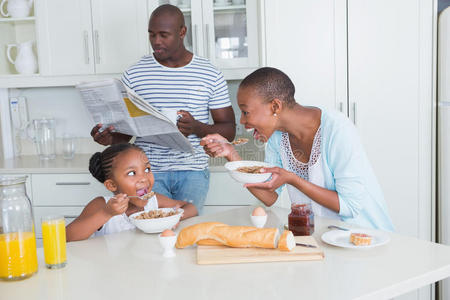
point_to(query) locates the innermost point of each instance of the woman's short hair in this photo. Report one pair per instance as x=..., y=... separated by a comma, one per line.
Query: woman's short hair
x=271, y=83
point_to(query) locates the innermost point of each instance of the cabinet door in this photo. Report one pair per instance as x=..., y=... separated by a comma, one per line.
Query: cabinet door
x=120, y=34
x=193, y=19
x=65, y=37
x=307, y=40
x=230, y=33
x=390, y=101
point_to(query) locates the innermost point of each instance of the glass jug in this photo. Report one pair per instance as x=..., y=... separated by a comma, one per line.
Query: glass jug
x=18, y=256
x=44, y=137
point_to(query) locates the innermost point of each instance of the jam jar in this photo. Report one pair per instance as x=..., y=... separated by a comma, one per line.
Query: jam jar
x=301, y=219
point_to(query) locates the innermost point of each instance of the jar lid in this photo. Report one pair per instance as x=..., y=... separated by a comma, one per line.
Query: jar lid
x=12, y=179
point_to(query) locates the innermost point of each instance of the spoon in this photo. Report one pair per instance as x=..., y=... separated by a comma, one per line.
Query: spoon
x=338, y=227
x=143, y=197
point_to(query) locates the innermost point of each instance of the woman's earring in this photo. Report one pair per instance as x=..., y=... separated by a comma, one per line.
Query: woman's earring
x=274, y=114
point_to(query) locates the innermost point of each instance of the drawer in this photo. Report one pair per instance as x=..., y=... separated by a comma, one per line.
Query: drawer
x=65, y=189
x=69, y=213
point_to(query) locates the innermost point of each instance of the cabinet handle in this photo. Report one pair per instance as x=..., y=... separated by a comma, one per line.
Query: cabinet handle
x=354, y=113
x=73, y=183
x=86, y=47
x=97, y=47
x=70, y=216
x=341, y=107
x=195, y=39
x=207, y=42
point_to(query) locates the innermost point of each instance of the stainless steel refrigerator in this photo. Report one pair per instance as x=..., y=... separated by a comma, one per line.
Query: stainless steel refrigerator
x=443, y=158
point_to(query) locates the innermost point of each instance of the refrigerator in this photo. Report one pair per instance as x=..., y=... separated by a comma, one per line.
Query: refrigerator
x=443, y=137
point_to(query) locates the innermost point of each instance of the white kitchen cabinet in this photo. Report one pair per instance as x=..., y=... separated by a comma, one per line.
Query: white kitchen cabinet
x=62, y=194
x=225, y=32
x=390, y=94
x=307, y=41
x=90, y=37
x=373, y=60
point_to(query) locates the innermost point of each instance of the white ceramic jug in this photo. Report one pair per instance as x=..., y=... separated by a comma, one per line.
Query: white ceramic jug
x=16, y=8
x=25, y=62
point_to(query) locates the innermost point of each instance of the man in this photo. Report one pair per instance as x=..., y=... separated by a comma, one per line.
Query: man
x=175, y=78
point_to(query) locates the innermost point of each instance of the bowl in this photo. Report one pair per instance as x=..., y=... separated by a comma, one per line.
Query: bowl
x=247, y=177
x=258, y=221
x=157, y=225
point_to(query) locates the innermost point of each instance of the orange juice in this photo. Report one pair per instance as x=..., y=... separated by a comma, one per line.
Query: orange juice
x=54, y=239
x=18, y=257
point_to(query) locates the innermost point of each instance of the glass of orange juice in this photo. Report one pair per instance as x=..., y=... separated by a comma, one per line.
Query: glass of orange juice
x=54, y=240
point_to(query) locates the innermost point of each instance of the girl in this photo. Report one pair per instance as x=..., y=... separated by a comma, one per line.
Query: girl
x=317, y=152
x=124, y=170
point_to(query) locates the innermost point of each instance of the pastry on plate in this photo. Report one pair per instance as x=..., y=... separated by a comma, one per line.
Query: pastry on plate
x=360, y=239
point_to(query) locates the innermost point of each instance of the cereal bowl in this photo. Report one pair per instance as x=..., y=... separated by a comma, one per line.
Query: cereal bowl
x=159, y=224
x=244, y=177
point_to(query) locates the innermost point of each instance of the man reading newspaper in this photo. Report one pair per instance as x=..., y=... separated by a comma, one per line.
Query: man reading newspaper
x=174, y=78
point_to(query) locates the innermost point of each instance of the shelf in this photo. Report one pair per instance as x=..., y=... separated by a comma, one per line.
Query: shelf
x=14, y=20
x=229, y=7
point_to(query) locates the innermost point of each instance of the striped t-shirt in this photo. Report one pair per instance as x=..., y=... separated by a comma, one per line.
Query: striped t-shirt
x=197, y=88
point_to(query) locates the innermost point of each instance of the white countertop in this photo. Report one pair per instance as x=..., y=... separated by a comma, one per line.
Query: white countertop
x=31, y=164
x=130, y=265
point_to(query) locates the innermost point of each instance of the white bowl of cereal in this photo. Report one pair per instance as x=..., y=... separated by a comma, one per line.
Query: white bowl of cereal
x=156, y=221
x=247, y=171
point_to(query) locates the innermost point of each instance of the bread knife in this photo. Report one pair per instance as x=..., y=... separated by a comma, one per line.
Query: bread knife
x=306, y=245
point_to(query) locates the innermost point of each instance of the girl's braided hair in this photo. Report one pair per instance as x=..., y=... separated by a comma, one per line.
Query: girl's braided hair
x=100, y=164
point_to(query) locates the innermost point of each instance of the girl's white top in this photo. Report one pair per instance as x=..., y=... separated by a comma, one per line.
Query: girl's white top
x=122, y=222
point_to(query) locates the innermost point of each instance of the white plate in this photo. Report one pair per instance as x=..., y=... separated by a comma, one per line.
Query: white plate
x=341, y=238
x=247, y=177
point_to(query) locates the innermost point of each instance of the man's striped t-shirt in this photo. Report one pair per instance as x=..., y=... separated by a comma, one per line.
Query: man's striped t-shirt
x=197, y=88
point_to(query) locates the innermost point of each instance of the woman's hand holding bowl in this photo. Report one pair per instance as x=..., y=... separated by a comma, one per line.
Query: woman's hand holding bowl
x=279, y=177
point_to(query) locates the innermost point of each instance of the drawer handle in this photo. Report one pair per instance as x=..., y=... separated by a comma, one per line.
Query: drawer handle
x=73, y=183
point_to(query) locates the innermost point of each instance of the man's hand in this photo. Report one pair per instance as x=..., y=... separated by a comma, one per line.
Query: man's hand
x=108, y=136
x=186, y=123
x=117, y=205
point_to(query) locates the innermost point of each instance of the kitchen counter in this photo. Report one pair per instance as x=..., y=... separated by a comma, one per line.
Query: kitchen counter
x=130, y=265
x=32, y=164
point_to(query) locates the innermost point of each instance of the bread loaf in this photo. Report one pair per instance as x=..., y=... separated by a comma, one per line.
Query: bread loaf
x=232, y=236
x=287, y=241
x=209, y=242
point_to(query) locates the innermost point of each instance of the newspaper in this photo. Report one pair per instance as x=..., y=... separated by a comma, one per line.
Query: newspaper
x=110, y=102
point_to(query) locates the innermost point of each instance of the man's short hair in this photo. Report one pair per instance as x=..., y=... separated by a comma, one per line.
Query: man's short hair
x=168, y=9
x=271, y=83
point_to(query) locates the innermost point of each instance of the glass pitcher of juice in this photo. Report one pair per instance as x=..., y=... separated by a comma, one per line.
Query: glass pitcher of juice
x=18, y=257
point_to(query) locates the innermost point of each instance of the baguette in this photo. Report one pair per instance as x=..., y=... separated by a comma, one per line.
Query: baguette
x=232, y=236
x=287, y=241
x=209, y=242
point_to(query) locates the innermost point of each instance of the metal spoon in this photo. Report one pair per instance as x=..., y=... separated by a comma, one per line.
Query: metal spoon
x=338, y=227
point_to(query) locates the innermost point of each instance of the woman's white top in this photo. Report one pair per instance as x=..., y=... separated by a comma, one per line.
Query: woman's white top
x=311, y=171
x=122, y=222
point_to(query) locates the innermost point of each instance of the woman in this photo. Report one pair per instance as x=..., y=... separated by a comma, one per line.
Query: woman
x=317, y=153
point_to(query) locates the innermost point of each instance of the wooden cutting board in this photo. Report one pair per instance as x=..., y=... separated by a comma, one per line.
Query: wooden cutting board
x=207, y=255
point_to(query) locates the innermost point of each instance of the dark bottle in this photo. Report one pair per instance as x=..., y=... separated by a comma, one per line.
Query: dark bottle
x=301, y=219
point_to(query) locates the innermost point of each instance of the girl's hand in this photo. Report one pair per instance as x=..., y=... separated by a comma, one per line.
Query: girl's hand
x=279, y=177
x=216, y=145
x=117, y=205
